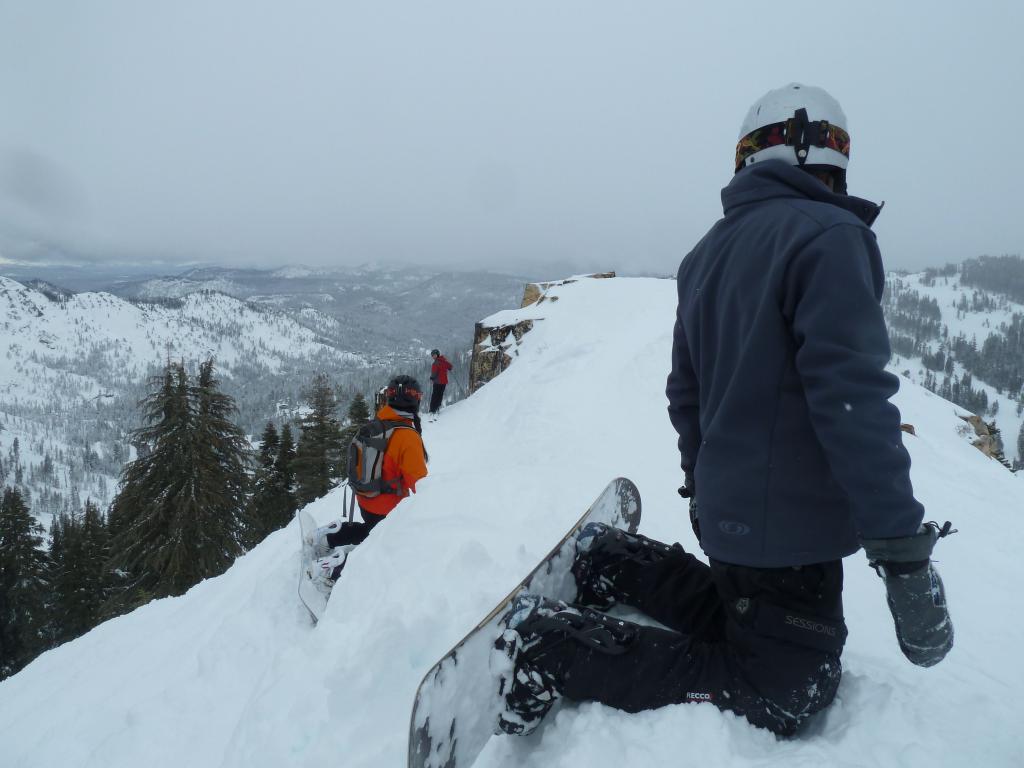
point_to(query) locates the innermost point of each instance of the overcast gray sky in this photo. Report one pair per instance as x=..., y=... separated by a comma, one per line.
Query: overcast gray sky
x=474, y=132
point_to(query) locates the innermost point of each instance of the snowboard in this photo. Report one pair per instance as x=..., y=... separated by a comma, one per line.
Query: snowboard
x=311, y=597
x=457, y=704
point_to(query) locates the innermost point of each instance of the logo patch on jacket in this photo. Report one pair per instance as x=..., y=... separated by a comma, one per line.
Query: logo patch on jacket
x=734, y=528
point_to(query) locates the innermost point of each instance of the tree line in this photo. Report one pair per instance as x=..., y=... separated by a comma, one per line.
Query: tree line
x=195, y=498
x=952, y=363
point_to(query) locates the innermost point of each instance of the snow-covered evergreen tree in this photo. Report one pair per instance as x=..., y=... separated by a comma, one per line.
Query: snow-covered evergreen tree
x=223, y=460
x=317, y=463
x=358, y=414
x=23, y=587
x=269, y=444
x=273, y=502
x=179, y=516
x=79, y=550
x=284, y=464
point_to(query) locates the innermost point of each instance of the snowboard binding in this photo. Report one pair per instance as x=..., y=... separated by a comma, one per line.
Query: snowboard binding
x=318, y=541
x=526, y=655
x=601, y=552
x=324, y=571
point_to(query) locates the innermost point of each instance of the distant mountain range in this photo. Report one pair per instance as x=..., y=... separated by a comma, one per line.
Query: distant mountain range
x=76, y=363
x=382, y=312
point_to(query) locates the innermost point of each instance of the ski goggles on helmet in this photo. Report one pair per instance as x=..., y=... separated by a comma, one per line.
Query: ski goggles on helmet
x=797, y=132
x=403, y=391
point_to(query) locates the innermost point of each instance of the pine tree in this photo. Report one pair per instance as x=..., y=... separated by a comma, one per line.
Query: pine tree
x=285, y=463
x=358, y=410
x=79, y=550
x=23, y=587
x=358, y=415
x=96, y=578
x=273, y=504
x=222, y=476
x=65, y=541
x=317, y=463
x=179, y=516
x=15, y=460
x=269, y=444
x=143, y=494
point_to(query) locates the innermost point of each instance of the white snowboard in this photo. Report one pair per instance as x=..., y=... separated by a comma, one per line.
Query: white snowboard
x=311, y=597
x=457, y=704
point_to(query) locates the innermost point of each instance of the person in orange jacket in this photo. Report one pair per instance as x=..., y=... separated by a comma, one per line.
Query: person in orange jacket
x=405, y=464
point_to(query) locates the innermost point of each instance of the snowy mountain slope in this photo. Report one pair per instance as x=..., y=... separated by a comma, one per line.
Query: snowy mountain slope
x=233, y=675
x=73, y=366
x=948, y=291
x=91, y=334
x=961, y=317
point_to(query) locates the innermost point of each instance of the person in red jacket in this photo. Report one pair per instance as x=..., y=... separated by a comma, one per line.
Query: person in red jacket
x=405, y=463
x=439, y=379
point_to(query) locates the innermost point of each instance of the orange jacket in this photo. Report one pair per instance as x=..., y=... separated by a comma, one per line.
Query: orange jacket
x=403, y=458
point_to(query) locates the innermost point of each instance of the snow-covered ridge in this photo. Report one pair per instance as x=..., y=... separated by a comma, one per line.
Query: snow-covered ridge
x=201, y=323
x=68, y=360
x=297, y=272
x=232, y=675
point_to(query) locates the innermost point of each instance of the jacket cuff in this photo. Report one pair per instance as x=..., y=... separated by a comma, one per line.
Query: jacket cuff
x=905, y=549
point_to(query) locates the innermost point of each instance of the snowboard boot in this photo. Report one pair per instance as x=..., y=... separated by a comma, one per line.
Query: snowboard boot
x=602, y=554
x=541, y=636
x=325, y=570
x=319, y=543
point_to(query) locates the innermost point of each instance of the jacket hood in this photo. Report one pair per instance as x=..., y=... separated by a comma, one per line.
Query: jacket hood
x=775, y=179
x=387, y=413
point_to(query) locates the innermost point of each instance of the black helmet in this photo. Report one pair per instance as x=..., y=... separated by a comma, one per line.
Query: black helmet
x=435, y=352
x=404, y=393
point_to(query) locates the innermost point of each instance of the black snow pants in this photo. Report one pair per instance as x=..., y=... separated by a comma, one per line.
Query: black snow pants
x=436, y=396
x=354, y=533
x=761, y=642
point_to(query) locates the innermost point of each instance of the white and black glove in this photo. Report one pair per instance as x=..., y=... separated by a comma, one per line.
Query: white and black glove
x=917, y=599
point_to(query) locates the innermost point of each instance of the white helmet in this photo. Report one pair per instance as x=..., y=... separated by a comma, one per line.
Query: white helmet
x=798, y=124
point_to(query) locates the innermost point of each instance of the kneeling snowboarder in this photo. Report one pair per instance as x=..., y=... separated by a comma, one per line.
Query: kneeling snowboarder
x=780, y=397
x=386, y=460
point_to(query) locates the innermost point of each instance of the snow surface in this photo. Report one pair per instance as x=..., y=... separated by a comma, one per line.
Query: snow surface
x=232, y=674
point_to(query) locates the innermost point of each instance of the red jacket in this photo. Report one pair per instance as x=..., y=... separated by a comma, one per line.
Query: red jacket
x=439, y=370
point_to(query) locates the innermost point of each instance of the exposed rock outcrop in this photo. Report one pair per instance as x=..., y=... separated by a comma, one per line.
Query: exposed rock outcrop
x=537, y=293
x=493, y=349
x=495, y=340
x=984, y=440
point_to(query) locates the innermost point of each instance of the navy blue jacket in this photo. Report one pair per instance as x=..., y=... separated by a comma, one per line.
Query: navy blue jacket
x=778, y=387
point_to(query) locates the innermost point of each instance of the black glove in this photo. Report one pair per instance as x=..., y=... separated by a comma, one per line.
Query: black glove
x=687, y=491
x=917, y=599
